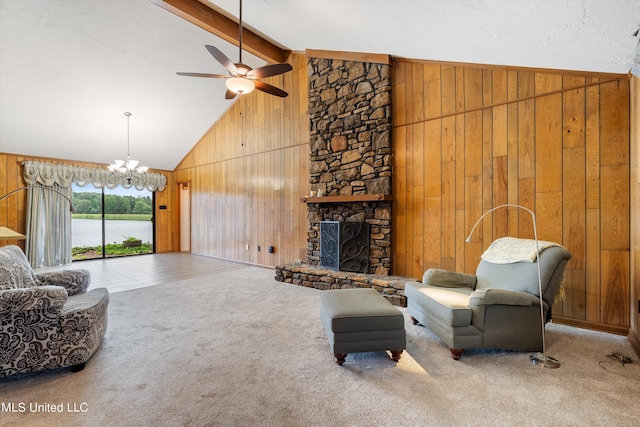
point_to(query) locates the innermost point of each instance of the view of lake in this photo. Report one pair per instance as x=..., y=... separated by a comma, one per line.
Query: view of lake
x=88, y=232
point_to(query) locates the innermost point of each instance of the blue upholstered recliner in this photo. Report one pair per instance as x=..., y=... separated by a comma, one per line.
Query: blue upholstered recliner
x=47, y=320
x=499, y=306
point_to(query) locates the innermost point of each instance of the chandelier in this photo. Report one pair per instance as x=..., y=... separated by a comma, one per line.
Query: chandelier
x=127, y=166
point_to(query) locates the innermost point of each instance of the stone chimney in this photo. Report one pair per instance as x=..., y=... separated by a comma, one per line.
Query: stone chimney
x=350, y=150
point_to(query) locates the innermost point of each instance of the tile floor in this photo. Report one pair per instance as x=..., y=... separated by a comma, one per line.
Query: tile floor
x=125, y=273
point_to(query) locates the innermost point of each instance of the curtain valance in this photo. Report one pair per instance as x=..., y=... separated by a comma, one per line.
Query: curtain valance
x=64, y=175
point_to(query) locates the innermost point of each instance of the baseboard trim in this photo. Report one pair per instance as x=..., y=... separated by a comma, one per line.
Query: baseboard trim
x=235, y=261
x=618, y=330
x=634, y=343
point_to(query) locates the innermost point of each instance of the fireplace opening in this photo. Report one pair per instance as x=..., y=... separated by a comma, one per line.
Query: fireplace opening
x=344, y=246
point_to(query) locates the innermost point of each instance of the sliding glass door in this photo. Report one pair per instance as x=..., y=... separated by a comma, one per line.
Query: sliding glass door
x=86, y=223
x=110, y=223
x=128, y=226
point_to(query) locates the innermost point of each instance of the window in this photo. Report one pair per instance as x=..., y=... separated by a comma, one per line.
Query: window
x=109, y=223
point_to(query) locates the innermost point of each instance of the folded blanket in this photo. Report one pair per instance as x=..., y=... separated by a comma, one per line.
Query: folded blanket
x=507, y=250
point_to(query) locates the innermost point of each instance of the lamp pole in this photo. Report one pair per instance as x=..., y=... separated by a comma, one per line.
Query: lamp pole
x=9, y=234
x=71, y=208
x=539, y=358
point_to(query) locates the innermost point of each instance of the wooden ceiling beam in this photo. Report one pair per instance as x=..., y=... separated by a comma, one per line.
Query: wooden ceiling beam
x=219, y=25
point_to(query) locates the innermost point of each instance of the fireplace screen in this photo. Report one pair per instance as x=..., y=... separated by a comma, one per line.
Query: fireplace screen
x=344, y=246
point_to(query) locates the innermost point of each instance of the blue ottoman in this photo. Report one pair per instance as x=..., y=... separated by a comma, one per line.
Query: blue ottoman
x=361, y=319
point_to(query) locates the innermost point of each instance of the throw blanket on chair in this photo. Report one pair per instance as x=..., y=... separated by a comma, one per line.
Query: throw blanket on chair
x=507, y=250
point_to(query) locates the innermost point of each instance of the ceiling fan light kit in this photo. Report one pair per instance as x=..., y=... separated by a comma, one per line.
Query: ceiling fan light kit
x=242, y=79
x=240, y=85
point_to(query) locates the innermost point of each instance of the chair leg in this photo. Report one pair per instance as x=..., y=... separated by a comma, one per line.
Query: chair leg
x=456, y=353
x=340, y=358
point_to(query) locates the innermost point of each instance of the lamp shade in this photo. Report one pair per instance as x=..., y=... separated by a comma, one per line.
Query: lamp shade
x=240, y=85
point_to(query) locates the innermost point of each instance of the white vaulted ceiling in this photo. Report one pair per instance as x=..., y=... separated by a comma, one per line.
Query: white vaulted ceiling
x=69, y=69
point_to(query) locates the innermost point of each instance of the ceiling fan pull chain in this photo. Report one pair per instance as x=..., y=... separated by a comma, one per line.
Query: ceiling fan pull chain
x=240, y=59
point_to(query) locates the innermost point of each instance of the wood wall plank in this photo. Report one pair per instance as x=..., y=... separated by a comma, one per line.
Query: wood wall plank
x=548, y=142
x=574, y=207
x=592, y=266
x=614, y=122
x=615, y=208
x=574, y=302
x=614, y=288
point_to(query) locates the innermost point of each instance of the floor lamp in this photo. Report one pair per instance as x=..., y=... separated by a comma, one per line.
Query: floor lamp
x=9, y=234
x=538, y=358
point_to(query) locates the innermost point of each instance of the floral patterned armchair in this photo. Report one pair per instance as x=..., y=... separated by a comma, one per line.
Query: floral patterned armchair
x=47, y=320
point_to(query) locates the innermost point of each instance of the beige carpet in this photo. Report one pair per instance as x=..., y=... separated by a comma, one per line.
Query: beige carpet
x=240, y=349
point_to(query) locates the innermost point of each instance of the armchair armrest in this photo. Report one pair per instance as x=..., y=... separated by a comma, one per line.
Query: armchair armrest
x=74, y=281
x=448, y=279
x=502, y=297
x=35, y=298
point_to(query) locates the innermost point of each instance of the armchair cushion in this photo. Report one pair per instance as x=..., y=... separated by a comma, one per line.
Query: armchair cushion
x=523, y=276
x=74, y=281
x=448, y=279
x=448, y=304
x=519, y=277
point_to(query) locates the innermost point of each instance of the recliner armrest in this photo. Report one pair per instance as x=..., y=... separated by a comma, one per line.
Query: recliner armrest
x=502, y=297
x=74, y=281
x=448, y=279
x=31, y=299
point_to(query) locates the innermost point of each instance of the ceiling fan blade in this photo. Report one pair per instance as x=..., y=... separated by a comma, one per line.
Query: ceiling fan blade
x=230, y=94
x=213, y=76
x=269, y=70
x=222, y=58
x=271, y=90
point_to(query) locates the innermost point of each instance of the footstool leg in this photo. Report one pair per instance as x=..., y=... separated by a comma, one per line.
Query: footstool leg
x=340, y=358
x=456, y=353
x=395, y=355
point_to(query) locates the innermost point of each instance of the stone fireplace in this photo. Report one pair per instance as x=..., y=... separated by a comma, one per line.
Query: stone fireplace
x=349, y=171
x=377, y=214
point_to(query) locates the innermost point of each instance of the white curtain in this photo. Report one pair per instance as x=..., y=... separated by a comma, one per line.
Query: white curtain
x=49, y=201
x=48, y=225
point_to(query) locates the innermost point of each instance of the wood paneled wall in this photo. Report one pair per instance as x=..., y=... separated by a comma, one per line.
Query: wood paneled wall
x=467, y=139
x=247, y=176
x=13, y=209
x=634, y=334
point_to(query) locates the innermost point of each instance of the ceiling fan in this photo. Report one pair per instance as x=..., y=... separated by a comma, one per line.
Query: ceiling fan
x=242, y=79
